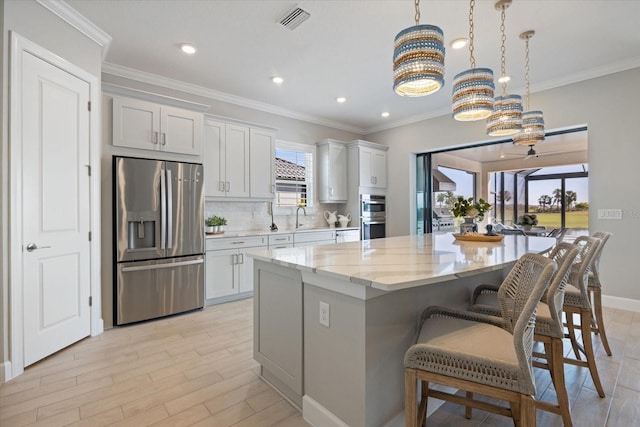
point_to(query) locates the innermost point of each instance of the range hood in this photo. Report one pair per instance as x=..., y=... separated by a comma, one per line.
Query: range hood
x=442, y=182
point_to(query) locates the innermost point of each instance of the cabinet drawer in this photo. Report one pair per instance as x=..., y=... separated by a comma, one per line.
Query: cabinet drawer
x=314, y=236
x=235, y=242
x=280, y=239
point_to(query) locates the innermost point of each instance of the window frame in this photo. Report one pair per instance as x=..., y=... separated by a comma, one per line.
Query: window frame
x=299, y=147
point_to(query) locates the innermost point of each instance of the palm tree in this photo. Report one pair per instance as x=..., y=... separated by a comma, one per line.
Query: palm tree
x=544, y=201
x=570, y=198
x=440, y=198
x=557, y=197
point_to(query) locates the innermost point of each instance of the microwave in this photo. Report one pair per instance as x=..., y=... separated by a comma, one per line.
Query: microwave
x=373, y=207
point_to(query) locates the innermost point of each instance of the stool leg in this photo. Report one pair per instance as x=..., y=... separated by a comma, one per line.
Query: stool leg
x=571, y=328
x=422, y=409
x=527, y=411
x=597, y=305
x=585, y=324
x=410, y=398
x=468, y=409
x=556, y=365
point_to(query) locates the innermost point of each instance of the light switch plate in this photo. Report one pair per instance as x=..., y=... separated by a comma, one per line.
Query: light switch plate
x=609, y=213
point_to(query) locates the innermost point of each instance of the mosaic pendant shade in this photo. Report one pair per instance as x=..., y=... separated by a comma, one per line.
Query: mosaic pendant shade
x=506, y=118
x=418, y=61
x=473, y=94
x=532, y=129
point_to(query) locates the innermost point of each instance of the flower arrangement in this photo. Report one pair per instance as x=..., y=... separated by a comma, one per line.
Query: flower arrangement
x=468, y=208
x=528, y=220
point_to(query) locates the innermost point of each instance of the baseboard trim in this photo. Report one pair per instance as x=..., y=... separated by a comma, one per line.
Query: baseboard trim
x=621, y=303
x=317, y=415
x=5, y=371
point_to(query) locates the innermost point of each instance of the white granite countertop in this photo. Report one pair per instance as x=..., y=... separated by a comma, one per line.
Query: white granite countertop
x=280, y=231
x=407, y=261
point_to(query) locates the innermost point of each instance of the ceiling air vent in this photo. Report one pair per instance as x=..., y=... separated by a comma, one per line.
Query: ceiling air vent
x=294, y=17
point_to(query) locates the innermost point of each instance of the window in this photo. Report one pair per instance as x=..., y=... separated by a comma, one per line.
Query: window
x=294, y=174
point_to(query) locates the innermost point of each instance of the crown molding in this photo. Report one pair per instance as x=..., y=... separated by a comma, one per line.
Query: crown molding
x=79, y=22
x=114, y=89
x=154, y=79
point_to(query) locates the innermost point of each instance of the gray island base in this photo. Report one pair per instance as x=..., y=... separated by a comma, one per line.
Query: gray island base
x=342, y=365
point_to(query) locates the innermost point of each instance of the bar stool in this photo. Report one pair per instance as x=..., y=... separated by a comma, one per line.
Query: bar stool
x=595, y=291
x=479, y=353
x=548, y=329
x=576, y=301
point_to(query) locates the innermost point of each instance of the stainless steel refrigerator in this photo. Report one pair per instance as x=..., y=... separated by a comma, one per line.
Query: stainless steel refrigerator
x=158, y=238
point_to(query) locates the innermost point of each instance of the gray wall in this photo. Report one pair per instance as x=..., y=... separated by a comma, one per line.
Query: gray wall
x=36, y=23
x=607, y=105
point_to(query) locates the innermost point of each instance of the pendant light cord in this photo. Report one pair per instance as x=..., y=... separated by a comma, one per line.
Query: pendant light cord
x=526, y=68
x=417, y=3
x=502, y=51
x=472, y=3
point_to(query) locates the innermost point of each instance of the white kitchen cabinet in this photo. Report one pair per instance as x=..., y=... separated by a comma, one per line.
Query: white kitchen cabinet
x=238, y=161
x=372, y=167
x=280, y=240
x=262, y=163
x=229, y=272
x=343, y=236
x=313, y=238
x=332, y=171
x=149, y=126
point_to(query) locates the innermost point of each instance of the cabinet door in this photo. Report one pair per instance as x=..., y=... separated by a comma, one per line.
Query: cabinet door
x=366, y=165
x=236, y=161
x=181, y=131
x=213, y=159
x=136, y=124
x=221, y=273
x=379, y=168
x=338, y=172
x=262, y=164
x=245, y=272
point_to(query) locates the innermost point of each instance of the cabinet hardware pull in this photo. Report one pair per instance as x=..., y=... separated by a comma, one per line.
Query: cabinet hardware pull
x=237, y=243
x=155, y=137
x=227, y=186
x=164, y=138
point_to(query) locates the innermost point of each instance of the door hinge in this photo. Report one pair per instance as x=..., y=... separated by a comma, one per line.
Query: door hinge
x=89, y=236
x=89, y=105
x=90, y=301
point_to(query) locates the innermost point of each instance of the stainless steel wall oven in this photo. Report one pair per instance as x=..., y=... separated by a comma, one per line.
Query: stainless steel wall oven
x=373, y=216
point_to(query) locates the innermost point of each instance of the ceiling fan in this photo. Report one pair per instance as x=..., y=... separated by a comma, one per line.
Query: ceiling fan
x=531, y=153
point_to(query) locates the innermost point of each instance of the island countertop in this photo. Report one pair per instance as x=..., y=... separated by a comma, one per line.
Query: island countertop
x=403, y=262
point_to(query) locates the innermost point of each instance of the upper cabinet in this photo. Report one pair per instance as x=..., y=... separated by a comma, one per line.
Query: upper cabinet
x=150, y=126
x=370, y=160
x=238, y=161
x=332, y=171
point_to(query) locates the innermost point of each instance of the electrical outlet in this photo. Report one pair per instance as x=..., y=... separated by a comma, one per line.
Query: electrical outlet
x=324, y=314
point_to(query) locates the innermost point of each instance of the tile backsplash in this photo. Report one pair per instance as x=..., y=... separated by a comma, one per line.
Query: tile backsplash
x=255, y=216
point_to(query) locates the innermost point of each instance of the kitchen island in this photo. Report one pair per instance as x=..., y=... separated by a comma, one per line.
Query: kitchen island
x=332, y=323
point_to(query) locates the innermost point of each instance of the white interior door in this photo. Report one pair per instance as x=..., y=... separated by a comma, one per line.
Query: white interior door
x=56, y=208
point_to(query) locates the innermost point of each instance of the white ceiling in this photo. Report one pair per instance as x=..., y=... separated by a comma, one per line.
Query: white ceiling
x=345, y=49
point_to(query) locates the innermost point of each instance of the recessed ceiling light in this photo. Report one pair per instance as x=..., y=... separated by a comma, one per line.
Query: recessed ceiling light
x=341, y=99
x=504, y=79
x=277, y=80
x=459, y=43
x=385, y=114
x=188, y=48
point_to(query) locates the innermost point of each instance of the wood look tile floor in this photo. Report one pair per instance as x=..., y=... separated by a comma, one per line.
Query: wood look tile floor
x=197, y=370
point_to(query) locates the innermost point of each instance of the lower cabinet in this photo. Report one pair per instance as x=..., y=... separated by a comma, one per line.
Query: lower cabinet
x=228, y=271
x=313, y=238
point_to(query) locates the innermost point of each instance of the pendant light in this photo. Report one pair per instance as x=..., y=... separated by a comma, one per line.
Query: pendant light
x=418, y=59
x=532, y=120
x=473, y=88
x=506, y=118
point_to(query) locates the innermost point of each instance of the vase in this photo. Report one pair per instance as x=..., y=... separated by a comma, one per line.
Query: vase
x=468, y=226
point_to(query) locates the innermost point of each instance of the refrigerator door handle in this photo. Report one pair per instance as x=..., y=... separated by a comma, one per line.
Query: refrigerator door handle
x=160, y=266
x=163, y=211
x=169, y=210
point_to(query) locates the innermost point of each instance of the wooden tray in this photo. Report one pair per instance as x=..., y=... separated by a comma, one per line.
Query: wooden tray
x=478, y=237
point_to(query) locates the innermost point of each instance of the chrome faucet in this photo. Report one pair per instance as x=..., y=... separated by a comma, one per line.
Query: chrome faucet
x=297, y=212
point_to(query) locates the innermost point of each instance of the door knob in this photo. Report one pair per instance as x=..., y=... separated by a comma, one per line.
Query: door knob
x=32, y=247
